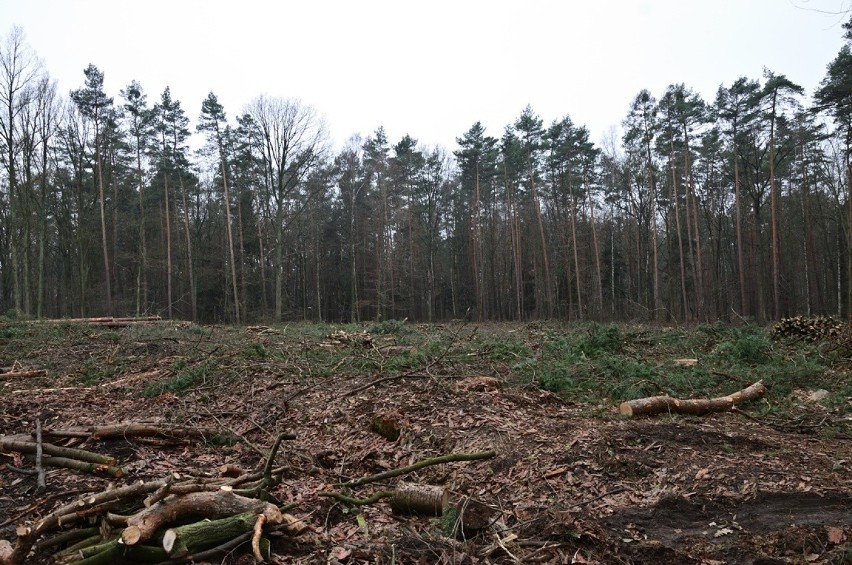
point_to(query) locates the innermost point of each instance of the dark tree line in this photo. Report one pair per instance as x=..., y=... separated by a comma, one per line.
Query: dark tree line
x=705, y=209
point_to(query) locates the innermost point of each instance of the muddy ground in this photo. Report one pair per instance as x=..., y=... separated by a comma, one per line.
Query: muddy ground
x=570, y=483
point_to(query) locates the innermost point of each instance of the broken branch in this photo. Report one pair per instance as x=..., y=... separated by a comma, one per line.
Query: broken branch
x=417, y=466
x=662, y=404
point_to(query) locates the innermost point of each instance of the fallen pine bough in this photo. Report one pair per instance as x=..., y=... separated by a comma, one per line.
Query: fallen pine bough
x=654, y=405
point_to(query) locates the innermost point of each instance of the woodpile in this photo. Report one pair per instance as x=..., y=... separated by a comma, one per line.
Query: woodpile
x=813, y=329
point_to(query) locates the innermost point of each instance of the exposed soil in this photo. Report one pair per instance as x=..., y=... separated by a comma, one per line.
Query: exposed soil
x=566, y=486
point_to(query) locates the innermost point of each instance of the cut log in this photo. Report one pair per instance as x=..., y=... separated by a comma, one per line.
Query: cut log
x=424, y=500
x=143, y=525
x=191, y=538
x=699, y=406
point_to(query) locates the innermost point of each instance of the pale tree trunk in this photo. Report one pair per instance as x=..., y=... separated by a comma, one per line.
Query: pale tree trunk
x=227, y=206
x=243, y=283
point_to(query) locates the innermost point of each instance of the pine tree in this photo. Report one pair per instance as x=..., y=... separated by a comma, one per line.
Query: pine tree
x=212, y=121
x=97, y=107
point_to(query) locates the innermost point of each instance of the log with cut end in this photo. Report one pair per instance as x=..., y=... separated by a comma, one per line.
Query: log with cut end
x=191, y=538
x=143, y=525
x=411, y=498
x=698, y=406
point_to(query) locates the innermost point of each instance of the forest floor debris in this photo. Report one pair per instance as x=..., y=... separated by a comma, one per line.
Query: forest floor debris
x=570, y=480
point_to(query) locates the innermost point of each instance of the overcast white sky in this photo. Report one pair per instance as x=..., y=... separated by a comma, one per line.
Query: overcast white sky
x=429, y=68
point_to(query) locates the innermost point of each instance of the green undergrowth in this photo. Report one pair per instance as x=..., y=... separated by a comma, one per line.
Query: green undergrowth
x=590, y=364
x=185, y=376
x=598, y=364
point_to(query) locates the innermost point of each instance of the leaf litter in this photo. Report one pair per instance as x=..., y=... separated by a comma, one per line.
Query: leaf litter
x=566, y=486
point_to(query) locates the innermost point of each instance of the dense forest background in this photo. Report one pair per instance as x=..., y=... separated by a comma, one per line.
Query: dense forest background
x=736, y=207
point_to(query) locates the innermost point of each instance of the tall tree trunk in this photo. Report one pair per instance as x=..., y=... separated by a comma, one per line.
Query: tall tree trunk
x=42, y=235
x=511, y=210
x=380, y=252
x=576, y=256
x=476, y=248
x=243, y=282
x=739, y=215
x=548, y=286
x=189, y=261
x=595, y=247
x=168, y=233
x=141, y=277
x=652, y=195
x=227, y=206
x=353, y=308
x=776, y=242
x=101, y=203
x=676, y=204
x=692, y=204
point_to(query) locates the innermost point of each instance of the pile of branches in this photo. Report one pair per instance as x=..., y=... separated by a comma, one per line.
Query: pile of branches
x=812, y=329
x=180, y=519
x=170, y=520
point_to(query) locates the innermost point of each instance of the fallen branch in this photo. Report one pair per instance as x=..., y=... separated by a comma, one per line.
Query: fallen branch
x=13, y=373
x=358, y=501
x=40, y=481
x=417, y=466
x=131, y=429
x=83, y=466
x=23, y=445
x=666, y=404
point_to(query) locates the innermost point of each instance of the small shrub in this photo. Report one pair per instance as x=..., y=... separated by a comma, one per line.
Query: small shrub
x=255, y=351
x=507, y=350
x=598, y=340
x=390, y=327
x=93, y=372
x=749, y=345
x=186, y=378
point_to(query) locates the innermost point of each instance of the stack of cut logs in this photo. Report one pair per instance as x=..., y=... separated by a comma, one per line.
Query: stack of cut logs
x=813, y=329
